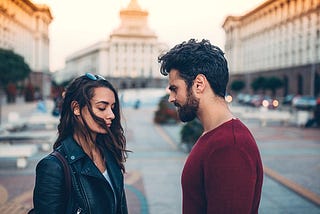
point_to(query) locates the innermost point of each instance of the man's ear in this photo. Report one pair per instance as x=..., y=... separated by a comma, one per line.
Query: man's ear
x=199, y=83
x=75, y=107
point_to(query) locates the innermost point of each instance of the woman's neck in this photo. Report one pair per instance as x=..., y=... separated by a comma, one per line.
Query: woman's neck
x=92, y=151
x=86, y=143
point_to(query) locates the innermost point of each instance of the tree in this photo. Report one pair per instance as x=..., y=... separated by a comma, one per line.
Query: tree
x=273, y=83
x=12, y=67
x=259, y=83
x=12, y=70
x=237, y=85
x=190, y=132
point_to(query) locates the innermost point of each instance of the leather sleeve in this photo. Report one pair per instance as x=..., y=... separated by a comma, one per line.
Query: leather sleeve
x=124, y=208
x=50, y=191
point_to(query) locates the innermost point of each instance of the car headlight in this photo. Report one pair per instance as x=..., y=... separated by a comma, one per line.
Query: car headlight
x=275, y=103
x=265, y=103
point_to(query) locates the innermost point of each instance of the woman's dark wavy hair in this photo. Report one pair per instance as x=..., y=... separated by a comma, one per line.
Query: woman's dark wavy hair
x=81, y=90
x=192, y=58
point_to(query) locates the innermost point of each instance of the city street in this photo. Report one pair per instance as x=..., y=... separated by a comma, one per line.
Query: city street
x=291, y=157
x=268, y=51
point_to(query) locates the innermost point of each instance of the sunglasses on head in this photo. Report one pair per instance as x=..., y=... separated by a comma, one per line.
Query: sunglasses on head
x=95, y=76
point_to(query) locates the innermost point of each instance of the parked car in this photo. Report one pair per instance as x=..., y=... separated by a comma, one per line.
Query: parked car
x=265, y=101
x=304, y=102
x=247, y=99
x=240, y=97
x=287, y=100
x=270, y=103
x=256, y=100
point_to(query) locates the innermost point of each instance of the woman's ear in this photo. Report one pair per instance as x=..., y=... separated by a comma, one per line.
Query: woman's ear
x=75, y=107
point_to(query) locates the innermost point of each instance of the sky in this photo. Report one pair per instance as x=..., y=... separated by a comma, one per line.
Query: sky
x=78, y=24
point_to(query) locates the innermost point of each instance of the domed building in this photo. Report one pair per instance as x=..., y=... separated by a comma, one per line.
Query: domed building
x=130, y=52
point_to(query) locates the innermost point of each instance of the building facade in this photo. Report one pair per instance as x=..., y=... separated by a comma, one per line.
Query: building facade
x=24, y=29
x=130, y=52
x=278, y=38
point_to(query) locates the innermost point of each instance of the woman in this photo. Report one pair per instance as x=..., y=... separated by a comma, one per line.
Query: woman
x=91, y=139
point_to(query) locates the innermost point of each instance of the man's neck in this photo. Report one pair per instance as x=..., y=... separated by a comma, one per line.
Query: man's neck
x=213, y=113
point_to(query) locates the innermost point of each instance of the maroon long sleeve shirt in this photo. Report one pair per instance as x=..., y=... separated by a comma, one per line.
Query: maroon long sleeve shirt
x=223, y=172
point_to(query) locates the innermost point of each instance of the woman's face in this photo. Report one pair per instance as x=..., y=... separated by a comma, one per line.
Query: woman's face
x=102, y=103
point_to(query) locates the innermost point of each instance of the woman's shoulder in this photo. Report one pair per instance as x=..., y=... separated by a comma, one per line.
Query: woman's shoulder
x=49, y=162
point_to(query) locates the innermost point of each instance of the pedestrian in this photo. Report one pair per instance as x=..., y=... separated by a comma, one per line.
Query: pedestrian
x=223, y=172
x=91, y=139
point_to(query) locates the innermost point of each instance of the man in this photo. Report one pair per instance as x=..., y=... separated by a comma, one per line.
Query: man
x=223, y=172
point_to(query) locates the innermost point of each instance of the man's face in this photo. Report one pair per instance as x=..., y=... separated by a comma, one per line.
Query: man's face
x=182, y=98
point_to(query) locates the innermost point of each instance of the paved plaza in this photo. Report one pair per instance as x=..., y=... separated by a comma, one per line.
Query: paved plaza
x=291, y=158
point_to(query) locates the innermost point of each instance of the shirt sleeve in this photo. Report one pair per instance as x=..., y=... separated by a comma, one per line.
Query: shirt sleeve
x=50, y=191
x=229, y=178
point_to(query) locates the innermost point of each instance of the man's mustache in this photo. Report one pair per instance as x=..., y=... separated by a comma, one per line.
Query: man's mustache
x=177, y=104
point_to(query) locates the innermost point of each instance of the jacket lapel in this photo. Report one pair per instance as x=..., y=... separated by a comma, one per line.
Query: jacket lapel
x=78, y=159
x=114, y=172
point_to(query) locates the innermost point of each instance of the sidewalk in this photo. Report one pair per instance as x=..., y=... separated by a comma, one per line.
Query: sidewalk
x=290, y=155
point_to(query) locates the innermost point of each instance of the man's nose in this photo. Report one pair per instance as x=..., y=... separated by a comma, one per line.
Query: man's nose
x=171, y=98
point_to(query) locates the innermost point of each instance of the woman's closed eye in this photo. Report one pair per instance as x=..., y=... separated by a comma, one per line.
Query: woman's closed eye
x=104, y=105
x=103, y=108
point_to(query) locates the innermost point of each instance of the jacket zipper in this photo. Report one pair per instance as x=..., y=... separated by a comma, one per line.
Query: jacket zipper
x=79, y=210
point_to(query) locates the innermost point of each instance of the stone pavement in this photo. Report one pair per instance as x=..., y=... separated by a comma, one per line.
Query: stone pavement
x=149, y=189
x=291, y=158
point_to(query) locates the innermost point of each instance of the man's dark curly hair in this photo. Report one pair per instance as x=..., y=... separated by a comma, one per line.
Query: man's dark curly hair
x=192, y=58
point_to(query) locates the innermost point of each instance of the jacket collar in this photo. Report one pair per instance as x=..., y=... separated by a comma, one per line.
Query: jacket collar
x=74, y=153
x=72, y=150
x=78, y=158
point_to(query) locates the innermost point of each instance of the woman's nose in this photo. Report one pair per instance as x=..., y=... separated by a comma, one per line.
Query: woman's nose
x=110, y=115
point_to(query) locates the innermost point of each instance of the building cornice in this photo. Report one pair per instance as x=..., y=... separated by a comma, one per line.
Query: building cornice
x=231, y=19
x=94, y=48
x=129, y=35
x=32, y=8
x=266, y=7
x=44, y=9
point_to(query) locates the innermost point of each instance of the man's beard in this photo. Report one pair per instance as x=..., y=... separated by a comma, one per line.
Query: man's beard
x=188, y=111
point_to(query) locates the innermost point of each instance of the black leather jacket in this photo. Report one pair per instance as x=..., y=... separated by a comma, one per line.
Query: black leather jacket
x=91, y=192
